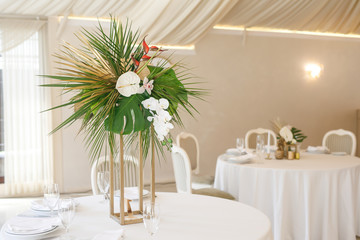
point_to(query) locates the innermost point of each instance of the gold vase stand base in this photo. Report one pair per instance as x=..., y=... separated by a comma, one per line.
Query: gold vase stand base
x=134, y=217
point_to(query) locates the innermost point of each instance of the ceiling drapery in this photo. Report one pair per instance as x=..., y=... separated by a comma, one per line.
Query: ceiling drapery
x=14, y=32
x=184, y=22
x=172, y=22
x=302, y=15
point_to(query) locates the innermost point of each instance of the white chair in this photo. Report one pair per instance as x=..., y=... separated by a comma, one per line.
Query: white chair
x=182, y=171
x=260, y=131
x=103, y=164
x=190, y=144
x=340, y=141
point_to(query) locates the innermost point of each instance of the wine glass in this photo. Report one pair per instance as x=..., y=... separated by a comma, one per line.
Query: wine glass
x=103, y=182
x=151, y=216
x=260, y=151
x=51, y=196
x=66, y=212
x=260, y=139
x=240, y=144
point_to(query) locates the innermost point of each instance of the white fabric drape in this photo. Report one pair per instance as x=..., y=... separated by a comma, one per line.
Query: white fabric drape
x=185, y=21
x=170, y=22
x=13, y=32
x=28, y=162
x=303, y=15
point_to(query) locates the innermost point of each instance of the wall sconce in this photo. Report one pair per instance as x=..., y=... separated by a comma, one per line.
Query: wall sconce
x=313, y=70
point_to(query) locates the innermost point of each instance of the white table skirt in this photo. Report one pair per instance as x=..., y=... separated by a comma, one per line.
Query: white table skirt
x=316, y=197
x=183, y=216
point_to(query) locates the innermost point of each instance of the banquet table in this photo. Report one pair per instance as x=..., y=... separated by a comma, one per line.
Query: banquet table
x=316, y=197
x=183, y=216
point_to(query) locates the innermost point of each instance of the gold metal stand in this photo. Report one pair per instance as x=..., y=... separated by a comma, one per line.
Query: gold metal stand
x=130, y=217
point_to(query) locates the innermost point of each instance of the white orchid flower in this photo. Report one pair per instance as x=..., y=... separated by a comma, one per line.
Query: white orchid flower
x=128, y=84
x=151, y=104
x=163, y=103
x=160, y=117
x=163, y=115
x=286, y=133
x=148, y=85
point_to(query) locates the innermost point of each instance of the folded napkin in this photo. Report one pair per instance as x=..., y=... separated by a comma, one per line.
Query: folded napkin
x=110, y=235
x=318, y=149
x=242, y=158
x=235, y=152
x=132, y=193
x=40, y=205
x=31, y=225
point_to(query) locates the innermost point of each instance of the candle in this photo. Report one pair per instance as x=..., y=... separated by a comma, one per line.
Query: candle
x=268, y=142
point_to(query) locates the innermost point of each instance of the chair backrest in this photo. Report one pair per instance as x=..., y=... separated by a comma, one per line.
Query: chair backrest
x=249, y=139
x=131, y=164
x=189, y=142
x=340, y=141
x=182, y=169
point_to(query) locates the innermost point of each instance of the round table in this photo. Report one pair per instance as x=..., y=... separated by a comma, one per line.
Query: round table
x=316, y=197
x=183, y=216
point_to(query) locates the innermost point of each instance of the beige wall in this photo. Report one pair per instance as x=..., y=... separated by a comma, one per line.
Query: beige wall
x=254, y=83
x=250, y=85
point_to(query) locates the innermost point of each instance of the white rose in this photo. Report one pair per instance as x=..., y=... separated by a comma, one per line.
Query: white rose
x=128, y=84
x=286, y=133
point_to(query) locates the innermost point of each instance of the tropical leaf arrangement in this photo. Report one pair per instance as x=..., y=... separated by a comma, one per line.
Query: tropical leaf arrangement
x=287, y=134
x=117, y=90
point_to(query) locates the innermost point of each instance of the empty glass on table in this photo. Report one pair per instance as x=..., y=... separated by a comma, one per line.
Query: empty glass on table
x=151, y=216
x=51, y=196
x=66, y=212
x=103, y=182
x=240, y=144
x=260, y=149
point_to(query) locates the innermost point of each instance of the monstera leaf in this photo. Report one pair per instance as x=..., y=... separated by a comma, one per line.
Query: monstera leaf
x=129, y=116
x=167, y=85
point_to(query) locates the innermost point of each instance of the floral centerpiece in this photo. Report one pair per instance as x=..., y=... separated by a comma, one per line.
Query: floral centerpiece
x=118, y=91
x=287, y=135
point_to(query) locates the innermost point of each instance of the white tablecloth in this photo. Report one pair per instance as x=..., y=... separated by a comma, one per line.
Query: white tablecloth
x=316, y=197
x=183, y=216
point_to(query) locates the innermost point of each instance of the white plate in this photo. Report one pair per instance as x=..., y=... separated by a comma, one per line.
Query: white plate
x=132, y=193
x=339, y=153
x=35, y=233
x=239, y=159
x=30, y=228
x=234, y=151
x=316, y=152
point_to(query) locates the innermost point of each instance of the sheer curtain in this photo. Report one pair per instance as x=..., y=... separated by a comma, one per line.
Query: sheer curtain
x=28, y=153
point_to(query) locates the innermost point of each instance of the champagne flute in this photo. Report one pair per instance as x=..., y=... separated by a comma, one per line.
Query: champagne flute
x=66, y=213
x=151, y=217
x=260, y=139
x=103, y=182
x=51, y=196
x=240, y=144
x=260, y=151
